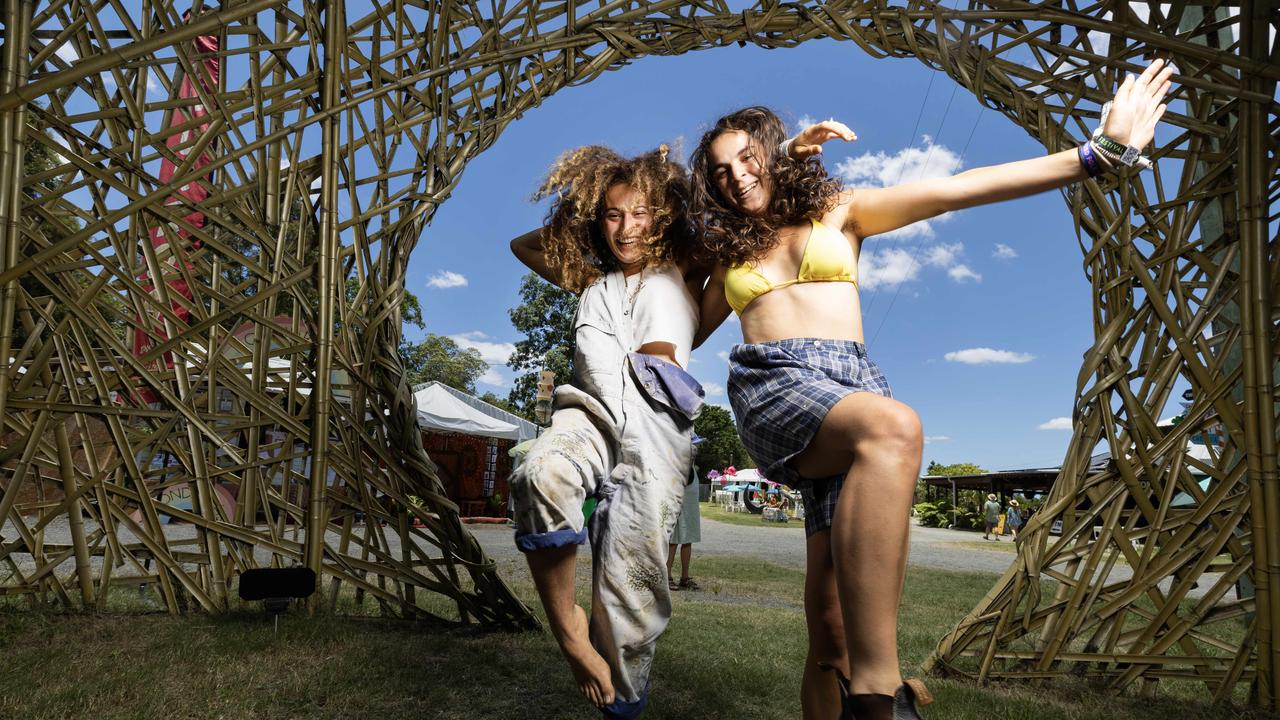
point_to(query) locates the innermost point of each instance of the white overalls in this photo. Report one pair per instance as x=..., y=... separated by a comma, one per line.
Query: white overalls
x=620, y=433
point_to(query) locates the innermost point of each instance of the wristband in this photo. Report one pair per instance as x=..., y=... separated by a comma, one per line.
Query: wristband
x=1109, y=163
x=1089, y=160
x=1127, y=154
x=784, y=147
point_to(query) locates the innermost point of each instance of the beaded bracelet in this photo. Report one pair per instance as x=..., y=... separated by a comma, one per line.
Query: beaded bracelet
x=1089, y=160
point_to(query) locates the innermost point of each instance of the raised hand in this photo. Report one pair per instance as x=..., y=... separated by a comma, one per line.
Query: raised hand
x=809, y=141
x=1138, y=105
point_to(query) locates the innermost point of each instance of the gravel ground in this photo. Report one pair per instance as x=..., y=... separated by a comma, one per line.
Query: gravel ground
x=930, y=547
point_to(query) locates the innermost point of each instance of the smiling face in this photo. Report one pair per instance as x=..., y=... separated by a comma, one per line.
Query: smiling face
x=739, y=173
x=625, y=224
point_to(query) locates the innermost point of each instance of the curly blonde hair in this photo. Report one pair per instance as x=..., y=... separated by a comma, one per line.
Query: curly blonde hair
x=573, y=242
x=801, y=190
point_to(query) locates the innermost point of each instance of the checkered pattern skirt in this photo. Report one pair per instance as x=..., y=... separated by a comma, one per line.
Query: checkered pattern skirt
x=781, y=391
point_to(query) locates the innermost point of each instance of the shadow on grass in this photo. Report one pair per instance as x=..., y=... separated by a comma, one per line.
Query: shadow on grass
x=733, y=650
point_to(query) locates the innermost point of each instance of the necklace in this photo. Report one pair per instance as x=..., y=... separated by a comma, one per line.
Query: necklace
x=631, y=297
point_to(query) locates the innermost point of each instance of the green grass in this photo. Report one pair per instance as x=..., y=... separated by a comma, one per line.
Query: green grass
x=713, y=511
x=733, y=650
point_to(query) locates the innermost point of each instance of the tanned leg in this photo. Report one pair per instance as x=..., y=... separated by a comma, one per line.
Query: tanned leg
x=553, y=573
x=819, y=693
x=877, y=442
x=686, y=554
x=671, y=556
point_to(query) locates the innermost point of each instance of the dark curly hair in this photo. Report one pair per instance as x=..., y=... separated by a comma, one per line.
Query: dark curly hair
x=573, y=241
x=801, y=190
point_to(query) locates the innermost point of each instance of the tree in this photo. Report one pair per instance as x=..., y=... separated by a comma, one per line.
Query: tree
x=440, y=358
x=53, y=223
x=500, y=403
x=545, y=316
x=936, y=468
x=720, y=446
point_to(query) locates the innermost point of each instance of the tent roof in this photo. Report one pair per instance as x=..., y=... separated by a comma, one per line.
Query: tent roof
x=441, y=407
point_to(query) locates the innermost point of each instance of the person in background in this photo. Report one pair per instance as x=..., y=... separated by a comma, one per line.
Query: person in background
x=1013, y=518
x=990, y=517
x=688, y=530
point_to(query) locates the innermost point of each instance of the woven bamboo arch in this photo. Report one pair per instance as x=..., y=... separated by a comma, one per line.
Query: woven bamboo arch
x=279, y=191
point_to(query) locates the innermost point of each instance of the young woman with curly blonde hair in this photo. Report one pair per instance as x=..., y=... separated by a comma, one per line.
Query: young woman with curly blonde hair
x=618, y=234
x=812, y=408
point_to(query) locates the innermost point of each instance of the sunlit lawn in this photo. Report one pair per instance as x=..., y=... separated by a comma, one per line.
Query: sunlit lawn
x=713, y=511
x=733, y=650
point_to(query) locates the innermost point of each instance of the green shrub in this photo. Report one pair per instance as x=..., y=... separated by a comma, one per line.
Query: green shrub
x=941, y=513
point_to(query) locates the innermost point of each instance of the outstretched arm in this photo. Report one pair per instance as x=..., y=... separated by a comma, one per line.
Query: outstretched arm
x=1136, y=109
x=528, y=250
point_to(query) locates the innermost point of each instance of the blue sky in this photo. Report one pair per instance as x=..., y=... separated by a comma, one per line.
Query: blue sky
x=979, y=321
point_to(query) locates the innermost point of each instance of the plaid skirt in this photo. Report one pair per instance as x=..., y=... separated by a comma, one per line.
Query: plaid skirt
x=781, y=391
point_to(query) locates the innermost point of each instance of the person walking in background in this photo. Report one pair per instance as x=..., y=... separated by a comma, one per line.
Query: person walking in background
x=688, y=530
x=1013, y=518
x=991, y=517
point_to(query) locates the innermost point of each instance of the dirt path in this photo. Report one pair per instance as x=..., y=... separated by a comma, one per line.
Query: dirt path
x=930, y=547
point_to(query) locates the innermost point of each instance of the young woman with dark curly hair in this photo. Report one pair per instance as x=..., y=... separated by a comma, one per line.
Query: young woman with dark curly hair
x=812, y=408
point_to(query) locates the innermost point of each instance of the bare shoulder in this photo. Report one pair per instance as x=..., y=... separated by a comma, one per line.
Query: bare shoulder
x=844, y=215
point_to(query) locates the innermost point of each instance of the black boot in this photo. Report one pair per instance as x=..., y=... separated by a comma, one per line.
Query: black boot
x=910, y=694
x=900, y=706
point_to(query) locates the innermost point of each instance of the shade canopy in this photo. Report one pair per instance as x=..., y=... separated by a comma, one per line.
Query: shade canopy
x=441, y=410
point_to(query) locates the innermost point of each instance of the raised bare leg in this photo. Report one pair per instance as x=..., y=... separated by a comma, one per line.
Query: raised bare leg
x=553, y=572
x=819, y=694
x=878, y=442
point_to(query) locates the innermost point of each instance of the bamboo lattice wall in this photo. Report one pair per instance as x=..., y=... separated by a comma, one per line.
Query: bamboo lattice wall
x=278, y=192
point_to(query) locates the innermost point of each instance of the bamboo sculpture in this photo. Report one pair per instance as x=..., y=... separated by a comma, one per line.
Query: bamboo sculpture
x=205, y=220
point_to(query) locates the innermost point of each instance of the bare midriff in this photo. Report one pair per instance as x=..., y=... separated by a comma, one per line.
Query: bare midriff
x=828, y=310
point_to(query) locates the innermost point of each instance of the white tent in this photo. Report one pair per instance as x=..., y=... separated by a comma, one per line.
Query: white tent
x=439, y=409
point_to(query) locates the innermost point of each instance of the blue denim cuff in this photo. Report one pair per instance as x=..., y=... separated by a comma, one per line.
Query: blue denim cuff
x=529, y=542
x=619, y=710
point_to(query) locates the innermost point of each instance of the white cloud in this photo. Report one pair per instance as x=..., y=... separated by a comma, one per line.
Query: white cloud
x=494, y=353
x=987, y=356
x=943, y=255
x=1004, y=252
x=880, y=169
x=447, y=279
x=907, y=165
x=67, y=52
x=886, y=267
x=962, y=273
x=936, y=439
x=803, y=122
x=492, y=377
x=713, y=389
x=1058, y=423
x=723, y=355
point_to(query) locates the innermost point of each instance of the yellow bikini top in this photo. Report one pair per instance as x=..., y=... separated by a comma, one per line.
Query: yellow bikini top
x=827, y=258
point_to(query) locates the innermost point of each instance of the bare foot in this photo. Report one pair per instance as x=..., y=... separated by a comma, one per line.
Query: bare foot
x=589, y=669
